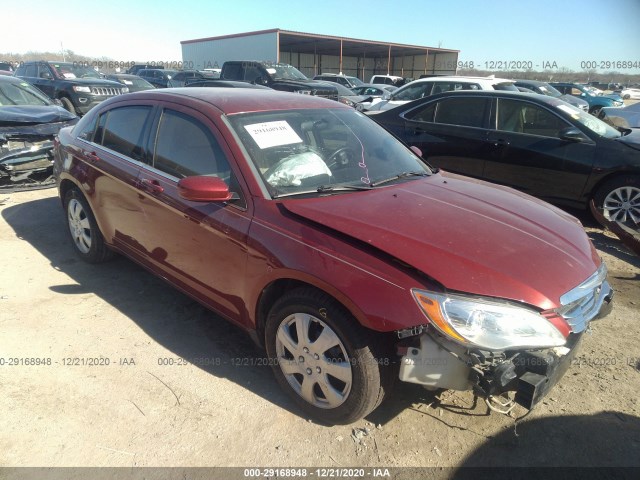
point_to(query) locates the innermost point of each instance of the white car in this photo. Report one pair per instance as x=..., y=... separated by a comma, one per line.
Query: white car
x=630, y=93
x=424, y=87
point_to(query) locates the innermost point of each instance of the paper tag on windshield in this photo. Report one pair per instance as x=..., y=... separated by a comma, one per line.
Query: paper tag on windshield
x=68, y=75
x=272, y=134
x=128, y=82
x=272, y=71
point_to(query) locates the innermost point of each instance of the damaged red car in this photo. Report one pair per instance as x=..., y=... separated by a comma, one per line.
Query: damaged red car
x=352, y=261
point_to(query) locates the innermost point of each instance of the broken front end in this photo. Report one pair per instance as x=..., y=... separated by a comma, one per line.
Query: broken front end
x=494, y=347
x=26, y=154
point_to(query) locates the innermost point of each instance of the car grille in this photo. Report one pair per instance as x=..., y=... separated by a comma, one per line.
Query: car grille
x=581, y=304
x=106, y=91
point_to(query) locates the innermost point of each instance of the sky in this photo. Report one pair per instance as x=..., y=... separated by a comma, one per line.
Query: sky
x=575, y=34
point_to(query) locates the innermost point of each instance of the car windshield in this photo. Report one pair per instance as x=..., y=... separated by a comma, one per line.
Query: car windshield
x=21, y=93
x=133, y=80
x=355, y=81
x=508, y=86
x=286, y=72
x=324, y=150
x=72, y=70
x=549, y=90
x=594, y=124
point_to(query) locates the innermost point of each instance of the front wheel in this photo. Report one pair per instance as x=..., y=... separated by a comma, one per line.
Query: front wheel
x=619, y=201
x=323, y=359
x=68, y=105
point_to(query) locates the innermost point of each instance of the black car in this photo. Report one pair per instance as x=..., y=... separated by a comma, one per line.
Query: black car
x=78, y=87
x=537, y=144
x=159, y=78
x=133, y=82
x=185, y=77
x=29, y=120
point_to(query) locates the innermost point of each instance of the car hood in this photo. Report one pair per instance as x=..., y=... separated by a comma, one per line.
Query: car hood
x=466, y=234
x=571, y=100
x=14, y=115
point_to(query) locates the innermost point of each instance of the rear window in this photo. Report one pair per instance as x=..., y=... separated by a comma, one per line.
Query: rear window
x=124, y=129
x=466, y=112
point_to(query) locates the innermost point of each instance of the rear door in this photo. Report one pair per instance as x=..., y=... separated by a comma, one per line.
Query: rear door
x=527, y=153
x=451, y=133
x=113, y=149
x=200, y=246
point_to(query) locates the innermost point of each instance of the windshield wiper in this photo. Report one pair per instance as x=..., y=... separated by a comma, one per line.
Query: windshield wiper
x=399, y=176
x=341, y=188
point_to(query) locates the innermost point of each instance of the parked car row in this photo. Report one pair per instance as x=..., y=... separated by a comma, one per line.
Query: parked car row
x=335, y=241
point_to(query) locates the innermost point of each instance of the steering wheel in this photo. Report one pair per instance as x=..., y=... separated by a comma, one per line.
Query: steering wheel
x=341, y=158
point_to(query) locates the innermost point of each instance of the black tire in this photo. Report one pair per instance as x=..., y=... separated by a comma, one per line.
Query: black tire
x=337, y=400
x=66, y=103
x=620, y=195
x=595, y=111
x=86, y=237
x=626, y=97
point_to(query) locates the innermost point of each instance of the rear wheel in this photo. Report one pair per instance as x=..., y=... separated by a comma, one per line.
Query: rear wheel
x=595, y=111
x=619, y=201
x=323, y=359
x=85, y=234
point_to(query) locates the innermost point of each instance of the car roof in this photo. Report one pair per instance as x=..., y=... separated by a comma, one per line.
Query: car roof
x=454, y=78
x=489, y=93
x=238, y=100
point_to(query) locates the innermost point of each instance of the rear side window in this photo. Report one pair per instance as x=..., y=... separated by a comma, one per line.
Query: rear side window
x=233, y=71
x=123, y=130
x=201, y=155
x=467, y=112
x=422, y=114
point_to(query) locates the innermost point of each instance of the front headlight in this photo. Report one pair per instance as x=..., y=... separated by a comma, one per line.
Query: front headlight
x=486, y=323
x=79, y=88
x=125, y=90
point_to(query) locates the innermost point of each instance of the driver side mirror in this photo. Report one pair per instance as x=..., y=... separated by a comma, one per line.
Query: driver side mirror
x=571, y=134
x=203, y=188
x=386, y=96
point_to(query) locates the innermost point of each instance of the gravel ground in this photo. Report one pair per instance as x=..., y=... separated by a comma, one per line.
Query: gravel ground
x=147, y=407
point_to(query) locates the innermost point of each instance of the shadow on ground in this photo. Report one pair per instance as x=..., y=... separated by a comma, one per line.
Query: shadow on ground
x=169, y=317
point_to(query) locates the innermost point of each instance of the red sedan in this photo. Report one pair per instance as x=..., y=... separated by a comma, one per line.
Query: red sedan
x=334, y=245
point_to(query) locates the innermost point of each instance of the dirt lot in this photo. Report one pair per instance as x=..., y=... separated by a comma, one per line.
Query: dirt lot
x=147, y=408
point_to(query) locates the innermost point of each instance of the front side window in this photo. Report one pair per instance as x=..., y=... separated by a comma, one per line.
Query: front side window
x=464, y=111
x=523, y=117
x=184, y=148
x=123, y=130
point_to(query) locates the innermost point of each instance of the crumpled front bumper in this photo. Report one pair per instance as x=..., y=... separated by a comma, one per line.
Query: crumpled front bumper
x=439, y=363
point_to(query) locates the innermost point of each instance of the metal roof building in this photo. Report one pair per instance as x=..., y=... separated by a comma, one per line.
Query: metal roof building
x=313, y=54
